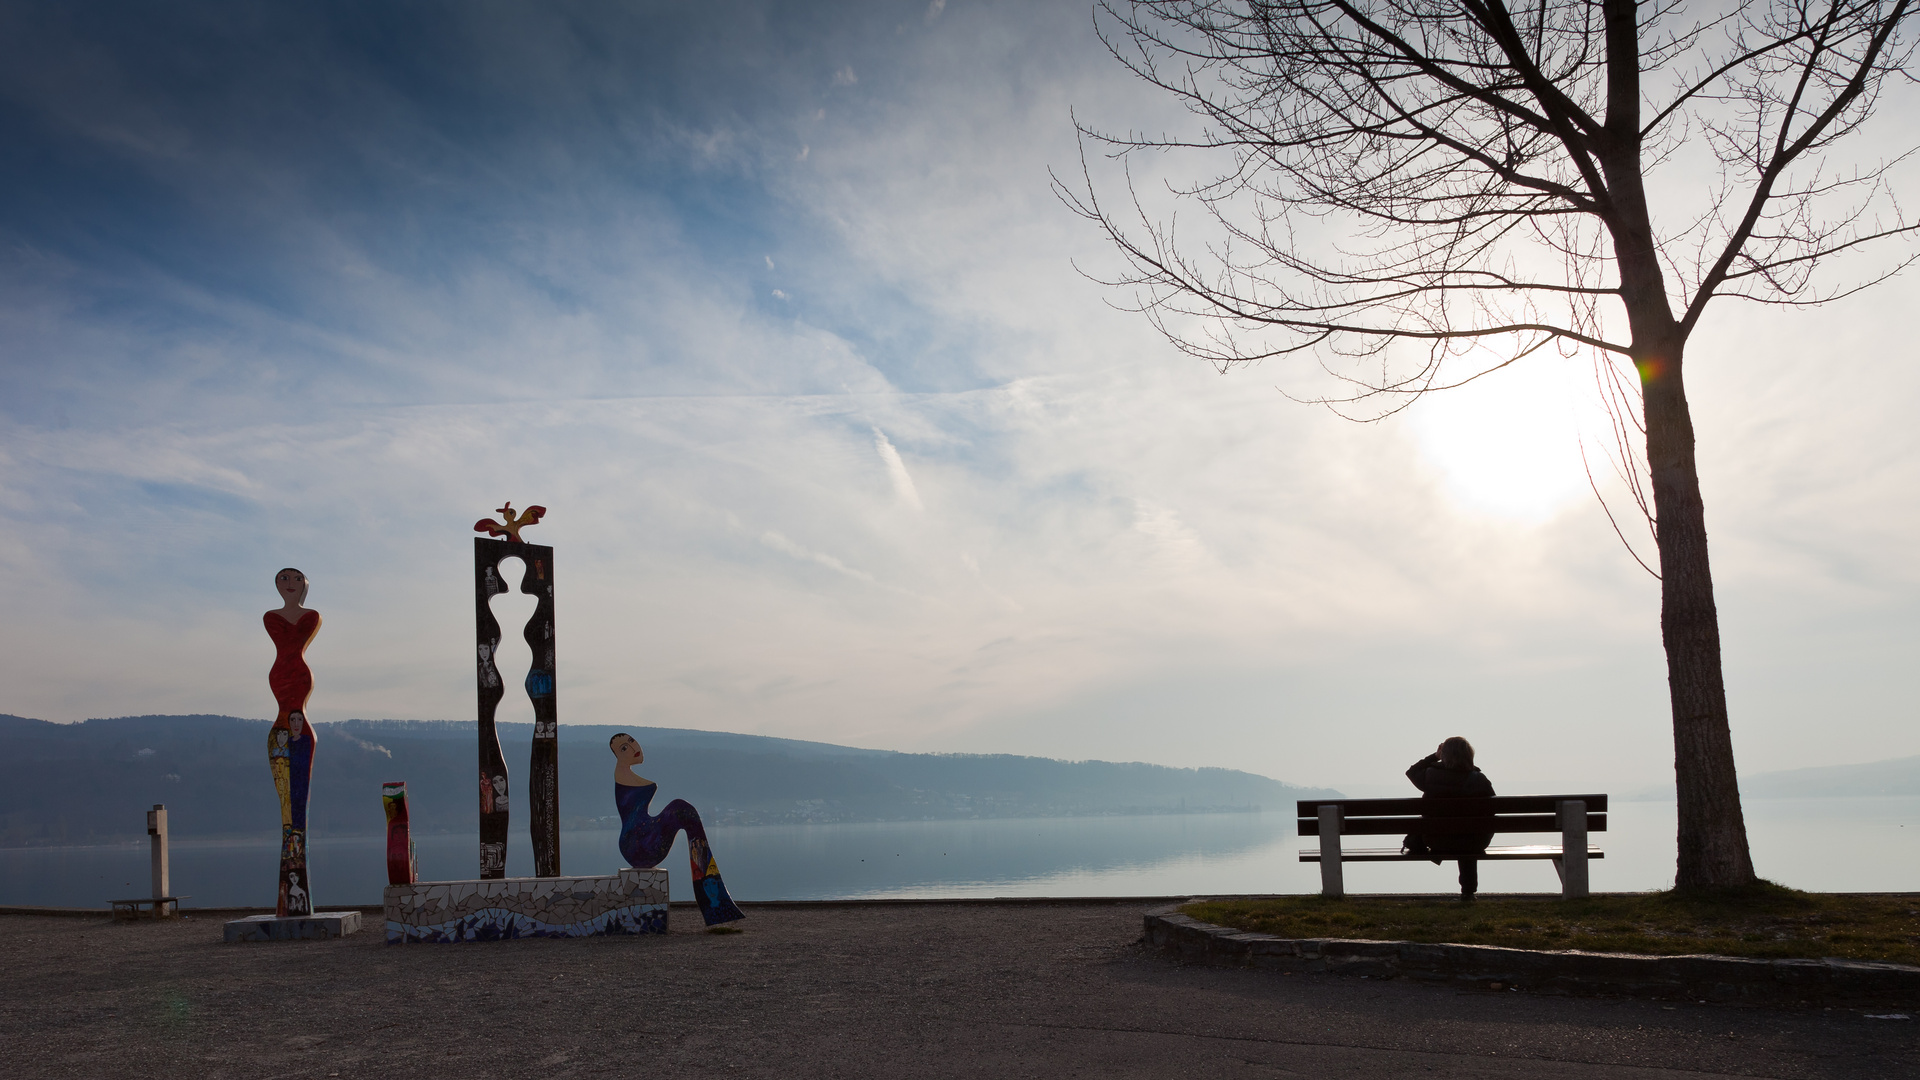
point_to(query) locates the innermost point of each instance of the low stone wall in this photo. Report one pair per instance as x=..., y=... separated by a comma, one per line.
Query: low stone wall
x=629, y=902
x=1691, y=978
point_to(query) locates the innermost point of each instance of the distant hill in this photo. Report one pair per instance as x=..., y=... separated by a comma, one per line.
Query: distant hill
x=92, y=782
x=1896, y=776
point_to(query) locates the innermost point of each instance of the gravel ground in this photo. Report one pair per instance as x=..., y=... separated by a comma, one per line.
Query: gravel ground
x=835, y=991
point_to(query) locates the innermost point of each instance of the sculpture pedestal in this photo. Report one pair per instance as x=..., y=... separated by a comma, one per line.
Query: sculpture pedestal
x=320, y=924
x=499, y=909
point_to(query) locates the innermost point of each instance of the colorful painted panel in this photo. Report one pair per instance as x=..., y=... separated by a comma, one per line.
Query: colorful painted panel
x=449, y=912
x=401, y=867
x=493, y=765
x=543, y=758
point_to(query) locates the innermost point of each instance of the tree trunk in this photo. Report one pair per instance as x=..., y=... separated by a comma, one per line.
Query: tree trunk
x=1712, y=828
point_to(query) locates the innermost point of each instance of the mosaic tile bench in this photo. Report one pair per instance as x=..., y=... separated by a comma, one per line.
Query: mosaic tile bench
x=629, y=902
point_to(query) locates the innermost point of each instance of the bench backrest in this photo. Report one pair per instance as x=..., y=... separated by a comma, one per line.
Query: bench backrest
x=1439, y=817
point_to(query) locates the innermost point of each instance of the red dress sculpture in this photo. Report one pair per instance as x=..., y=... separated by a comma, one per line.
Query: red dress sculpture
x=290, y=742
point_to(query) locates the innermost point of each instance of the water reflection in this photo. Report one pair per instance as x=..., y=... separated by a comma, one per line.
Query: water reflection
x=1865, y=844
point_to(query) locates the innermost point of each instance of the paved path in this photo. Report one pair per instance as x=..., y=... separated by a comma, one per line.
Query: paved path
x=933, y=991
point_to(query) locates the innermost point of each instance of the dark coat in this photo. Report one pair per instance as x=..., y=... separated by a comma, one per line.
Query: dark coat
x=1439, y=782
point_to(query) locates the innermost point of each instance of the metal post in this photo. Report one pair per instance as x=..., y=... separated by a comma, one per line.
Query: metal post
x=1330, y=880
x=157, y=828
x=1573, y=848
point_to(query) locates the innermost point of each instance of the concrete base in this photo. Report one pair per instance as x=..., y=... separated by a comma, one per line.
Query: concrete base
x=320, y=924
x=499, y=909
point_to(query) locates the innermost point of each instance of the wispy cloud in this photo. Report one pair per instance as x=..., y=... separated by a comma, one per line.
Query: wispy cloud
x=780, y=543
x=896, y=470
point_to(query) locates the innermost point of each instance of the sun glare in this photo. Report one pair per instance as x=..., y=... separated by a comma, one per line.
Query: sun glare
x=1508, y=444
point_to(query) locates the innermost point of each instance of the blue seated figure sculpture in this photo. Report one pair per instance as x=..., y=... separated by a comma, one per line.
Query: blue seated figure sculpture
x=646, y=838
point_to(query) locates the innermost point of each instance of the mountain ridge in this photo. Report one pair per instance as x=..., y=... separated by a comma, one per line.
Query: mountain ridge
x=92, y=782
x=1890, y=776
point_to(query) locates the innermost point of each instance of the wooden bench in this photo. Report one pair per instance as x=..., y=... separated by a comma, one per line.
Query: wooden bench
x=1572, y=816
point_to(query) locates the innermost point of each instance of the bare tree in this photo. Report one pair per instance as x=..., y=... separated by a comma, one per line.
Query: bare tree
x=1570, y=175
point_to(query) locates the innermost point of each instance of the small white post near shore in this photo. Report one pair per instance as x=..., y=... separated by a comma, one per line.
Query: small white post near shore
x=157, y=829
x=162, y=904
x=1331, y=883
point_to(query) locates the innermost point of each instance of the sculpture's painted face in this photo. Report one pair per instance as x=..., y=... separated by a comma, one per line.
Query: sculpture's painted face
x=296, y=724
x=292, y=585
x=627, y=751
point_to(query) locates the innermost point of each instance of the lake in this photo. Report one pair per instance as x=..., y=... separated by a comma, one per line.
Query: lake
x=1840, y=845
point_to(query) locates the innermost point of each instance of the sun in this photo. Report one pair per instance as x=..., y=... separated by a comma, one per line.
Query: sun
x=1508, y=445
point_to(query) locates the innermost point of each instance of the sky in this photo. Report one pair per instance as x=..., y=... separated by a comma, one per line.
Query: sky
x=774, y=309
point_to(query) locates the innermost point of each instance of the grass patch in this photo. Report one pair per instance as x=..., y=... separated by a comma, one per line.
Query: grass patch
x=1764, y=921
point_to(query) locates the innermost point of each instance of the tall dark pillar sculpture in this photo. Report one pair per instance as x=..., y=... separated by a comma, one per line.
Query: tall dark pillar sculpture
x=543, y=772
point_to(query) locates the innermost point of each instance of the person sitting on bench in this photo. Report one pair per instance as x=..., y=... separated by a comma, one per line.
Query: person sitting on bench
x=1449, y=774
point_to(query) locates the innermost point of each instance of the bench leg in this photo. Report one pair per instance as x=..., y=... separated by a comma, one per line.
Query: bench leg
x=1330, y=877
x=1573, y=849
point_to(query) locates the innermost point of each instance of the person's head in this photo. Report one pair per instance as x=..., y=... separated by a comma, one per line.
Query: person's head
x=1457, y=753
x=296, y=724
x=626, y=749
x=292, y=585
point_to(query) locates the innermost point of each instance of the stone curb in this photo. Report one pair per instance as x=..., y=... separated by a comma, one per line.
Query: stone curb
x=1690, y=978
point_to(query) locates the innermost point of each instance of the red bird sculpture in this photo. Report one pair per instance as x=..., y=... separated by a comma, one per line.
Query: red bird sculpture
x=511, y=525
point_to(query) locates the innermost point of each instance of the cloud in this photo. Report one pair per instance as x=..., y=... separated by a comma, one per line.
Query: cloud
x=785, y=546
x=934, y=8
x=1180, y=545
x=896, y=470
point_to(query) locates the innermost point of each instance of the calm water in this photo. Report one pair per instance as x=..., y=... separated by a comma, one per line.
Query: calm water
x=1867, y=844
